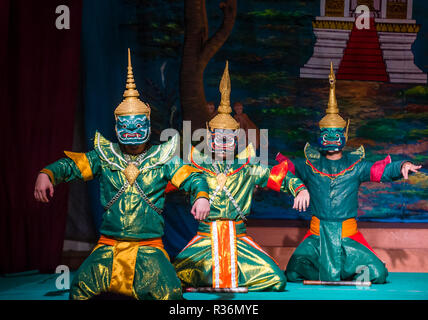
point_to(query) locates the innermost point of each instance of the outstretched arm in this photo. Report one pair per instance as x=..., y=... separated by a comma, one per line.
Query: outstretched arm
x=190, y=179
x=409, y=167
x=76, y=166
x=386, y=170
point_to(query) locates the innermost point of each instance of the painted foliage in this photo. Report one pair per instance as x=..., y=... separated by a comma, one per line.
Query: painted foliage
x=270, y=41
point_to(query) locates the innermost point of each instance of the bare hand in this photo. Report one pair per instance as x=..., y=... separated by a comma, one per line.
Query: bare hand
x=43, y=184
x=301, y=201
x=201, y=209
x=408, y=166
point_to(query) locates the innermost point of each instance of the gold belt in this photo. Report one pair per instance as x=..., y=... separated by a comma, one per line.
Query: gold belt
x=349, y=227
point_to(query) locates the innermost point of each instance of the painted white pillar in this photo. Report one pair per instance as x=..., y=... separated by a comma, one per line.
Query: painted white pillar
x=409, y=9
x=346, y=8
x=383, y=9
x=322, y=8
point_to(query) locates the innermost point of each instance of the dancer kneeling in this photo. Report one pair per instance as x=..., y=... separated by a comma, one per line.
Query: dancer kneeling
x=129, y=259
x=221, y=255
x=334, y=249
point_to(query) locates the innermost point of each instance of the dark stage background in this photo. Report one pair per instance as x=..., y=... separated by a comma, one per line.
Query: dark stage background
x=59, y=86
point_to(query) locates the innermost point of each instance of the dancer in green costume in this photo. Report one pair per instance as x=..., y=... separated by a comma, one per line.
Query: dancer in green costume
x=334, y=249
x=129, y=258
x=221, y=255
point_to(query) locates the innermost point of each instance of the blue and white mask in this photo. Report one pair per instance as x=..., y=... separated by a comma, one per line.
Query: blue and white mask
x=133, y=129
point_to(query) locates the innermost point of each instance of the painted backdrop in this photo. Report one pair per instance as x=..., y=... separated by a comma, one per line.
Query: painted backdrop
x=270, y=41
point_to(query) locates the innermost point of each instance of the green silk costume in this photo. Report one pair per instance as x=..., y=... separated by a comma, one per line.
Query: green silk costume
x=130, y=218
x=221, y=255
x=330, y=254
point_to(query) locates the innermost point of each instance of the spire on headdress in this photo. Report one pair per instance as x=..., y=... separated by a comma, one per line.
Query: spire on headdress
x=332, y=118
x=223, y=120
x=131, y=104
x=332, y=102
x=225, y=89
x=131, y=90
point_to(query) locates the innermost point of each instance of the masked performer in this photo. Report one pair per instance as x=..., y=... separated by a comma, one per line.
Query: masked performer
x=129, y=258
x=334, y=249
x=221, y=255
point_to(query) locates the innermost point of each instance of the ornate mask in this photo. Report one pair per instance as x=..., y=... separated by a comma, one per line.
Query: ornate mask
x=133, y=129
x=332, y=139
x=223, y=141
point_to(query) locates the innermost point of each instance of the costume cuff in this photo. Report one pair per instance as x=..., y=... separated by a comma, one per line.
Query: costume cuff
x=50, y=174
x=300, y=188
x=202, y=194
x=295, y=185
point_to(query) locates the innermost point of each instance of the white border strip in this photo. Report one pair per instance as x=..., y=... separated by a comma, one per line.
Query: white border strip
x=216, y=258
x=232, y=253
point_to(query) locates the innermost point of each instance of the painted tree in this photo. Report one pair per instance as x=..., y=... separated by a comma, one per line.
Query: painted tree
x=198, y=49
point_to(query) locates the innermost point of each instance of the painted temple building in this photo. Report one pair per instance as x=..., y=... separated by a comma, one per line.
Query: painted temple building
x=383, y=52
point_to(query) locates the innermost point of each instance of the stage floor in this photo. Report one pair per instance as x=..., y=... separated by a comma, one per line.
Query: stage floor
x=400, y=286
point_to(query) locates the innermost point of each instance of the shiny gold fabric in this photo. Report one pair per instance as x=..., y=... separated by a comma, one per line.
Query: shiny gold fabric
x=122, y=274
x=154, y=276
x=82, y=162
x=124, y=259
x=182, y=174
x=129, y=267
x=256, y=270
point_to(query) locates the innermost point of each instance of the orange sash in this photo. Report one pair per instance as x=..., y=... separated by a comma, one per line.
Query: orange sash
x=349, y=227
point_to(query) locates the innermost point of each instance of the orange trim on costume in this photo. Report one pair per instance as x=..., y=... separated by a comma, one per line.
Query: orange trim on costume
x=153, y=242
x=277, y=175
x=223, y=233
x=124, y=259
x=205, y=234
x=193, y=241
x=332, y=175
x=224, y=254
x=198, y=166
x=358, y=237
x=202, y=194
x=212, y=172
x=240, y=168
x=349, y=227
x=182, y=174
x=82, y=163
x=223, y=219
x=49, y=173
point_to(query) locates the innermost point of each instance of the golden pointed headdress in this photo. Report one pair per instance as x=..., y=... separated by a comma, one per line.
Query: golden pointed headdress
x=131, y=105
x=223, y=120
x=332, y=119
